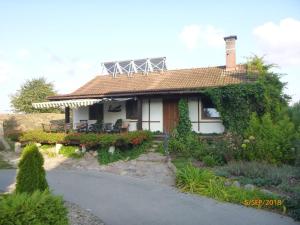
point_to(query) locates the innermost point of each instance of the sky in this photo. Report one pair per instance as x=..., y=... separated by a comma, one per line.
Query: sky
x=66, y=41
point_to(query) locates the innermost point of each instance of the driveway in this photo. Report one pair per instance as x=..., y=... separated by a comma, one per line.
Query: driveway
x=122, y=200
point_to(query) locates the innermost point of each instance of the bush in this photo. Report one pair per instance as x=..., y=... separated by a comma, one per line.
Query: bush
x=204, y=182
x=31, y=174
x=42, y=137
x=209, y=161
x=189, y=146
x=70, y=152
x=90, y=140
x=294, y=114
x=34, y=209
x=269, y=141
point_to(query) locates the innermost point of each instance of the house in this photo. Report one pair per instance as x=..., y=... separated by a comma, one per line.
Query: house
x=149, y=101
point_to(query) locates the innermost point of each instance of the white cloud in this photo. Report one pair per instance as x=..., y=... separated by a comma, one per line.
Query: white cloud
x=23, y=54
x=280, y=42
x=207, y=35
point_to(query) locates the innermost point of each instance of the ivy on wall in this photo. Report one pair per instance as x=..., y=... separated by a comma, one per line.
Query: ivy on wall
x=236, y=103
x=184, y=126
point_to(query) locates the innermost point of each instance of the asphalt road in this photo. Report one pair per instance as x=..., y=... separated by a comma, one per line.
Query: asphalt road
x=121, y=200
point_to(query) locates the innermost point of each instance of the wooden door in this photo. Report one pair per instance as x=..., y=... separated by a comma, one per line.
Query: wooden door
x=170, y=114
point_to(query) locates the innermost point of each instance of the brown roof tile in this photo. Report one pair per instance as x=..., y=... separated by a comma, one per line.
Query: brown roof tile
x=170, y=80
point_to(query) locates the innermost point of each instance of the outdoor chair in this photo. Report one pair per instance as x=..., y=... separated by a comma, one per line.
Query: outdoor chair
x=96, y=127
x=82, y=126
x=108, y=127
x=117, y=127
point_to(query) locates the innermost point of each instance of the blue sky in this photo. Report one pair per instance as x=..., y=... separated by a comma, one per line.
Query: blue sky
x=66, y=41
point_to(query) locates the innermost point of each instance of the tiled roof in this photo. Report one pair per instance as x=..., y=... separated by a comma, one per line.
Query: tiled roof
x=170, y=80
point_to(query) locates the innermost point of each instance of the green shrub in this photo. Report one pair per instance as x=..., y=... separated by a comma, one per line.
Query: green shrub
x=70, y=152
x=269, y=141
x=209, y=161
x=90, y=140
x=105, y=157
x=204, y=182
x=39, y=208
x=31, y=174
x=294, y=114
x=42, y=137
x=189, y=146
x=293, y=206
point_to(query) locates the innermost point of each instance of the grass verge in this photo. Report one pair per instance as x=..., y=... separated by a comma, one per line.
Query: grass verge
x=70, y=152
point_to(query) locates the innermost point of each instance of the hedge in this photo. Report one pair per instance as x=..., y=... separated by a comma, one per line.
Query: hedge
x=88, y=139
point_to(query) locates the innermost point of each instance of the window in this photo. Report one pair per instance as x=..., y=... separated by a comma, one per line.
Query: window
x=131, y=109
x=96, y=112
x=208, y=109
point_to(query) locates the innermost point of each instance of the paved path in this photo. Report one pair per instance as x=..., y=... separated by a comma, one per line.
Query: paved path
x=121, y=200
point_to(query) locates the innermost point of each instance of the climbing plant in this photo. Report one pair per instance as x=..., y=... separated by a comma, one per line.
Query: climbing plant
x=184, y=126
x=236, y=103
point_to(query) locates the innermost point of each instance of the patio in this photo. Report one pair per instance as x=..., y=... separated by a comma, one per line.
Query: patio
x=114, y=115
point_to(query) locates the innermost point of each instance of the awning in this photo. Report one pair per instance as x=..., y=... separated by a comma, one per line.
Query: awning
x=74, y=103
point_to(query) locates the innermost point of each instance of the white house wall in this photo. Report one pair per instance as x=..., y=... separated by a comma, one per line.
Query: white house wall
x=198, y=124
x=211, y=127
x=81, y=113
x=156, y=114
x=112, y=117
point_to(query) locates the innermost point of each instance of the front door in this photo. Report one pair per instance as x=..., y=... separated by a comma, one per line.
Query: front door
x=170, y=114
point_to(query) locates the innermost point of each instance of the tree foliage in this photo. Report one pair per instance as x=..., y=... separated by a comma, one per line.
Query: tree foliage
x=294, y=114
x=34, y=90
x=31, y=175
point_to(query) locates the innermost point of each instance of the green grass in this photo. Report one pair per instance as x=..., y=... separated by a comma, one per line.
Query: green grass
x=69, y=152
x=48, y=150
x=104, y=157
x=4, y=164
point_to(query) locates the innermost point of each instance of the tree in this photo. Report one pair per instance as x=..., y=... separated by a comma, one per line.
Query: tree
x=31, y=175
x=35, y=90
x=294, y=113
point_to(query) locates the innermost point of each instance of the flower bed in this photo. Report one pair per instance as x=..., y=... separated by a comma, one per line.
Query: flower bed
x=90, y=140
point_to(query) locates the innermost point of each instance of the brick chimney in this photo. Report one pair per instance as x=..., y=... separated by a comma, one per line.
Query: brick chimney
x=230, y=52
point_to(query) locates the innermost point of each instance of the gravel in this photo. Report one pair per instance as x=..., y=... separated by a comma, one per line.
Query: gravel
x=79, y=216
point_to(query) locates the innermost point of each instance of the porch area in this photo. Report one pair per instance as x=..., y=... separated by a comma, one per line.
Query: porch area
x=116, y=115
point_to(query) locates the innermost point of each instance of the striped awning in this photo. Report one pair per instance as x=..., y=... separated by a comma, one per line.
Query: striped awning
x=67, y=103
x=74, y=103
